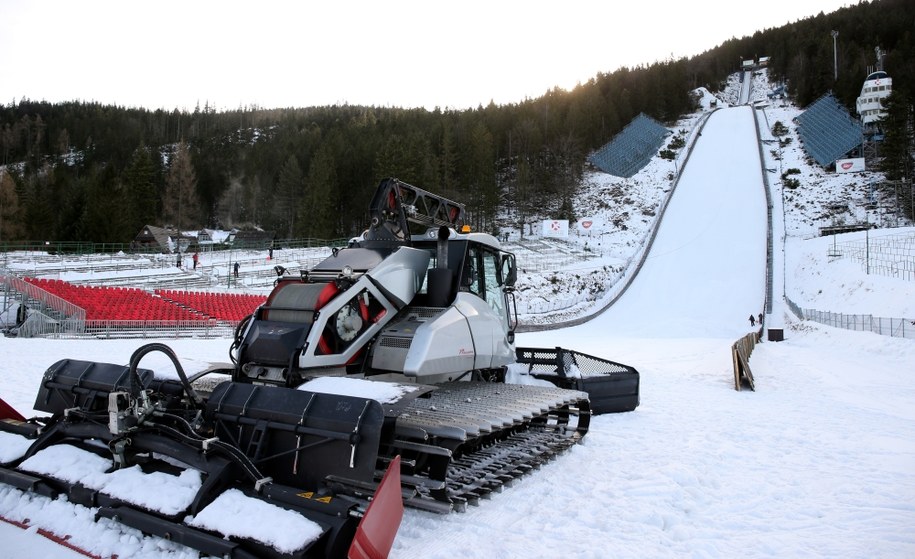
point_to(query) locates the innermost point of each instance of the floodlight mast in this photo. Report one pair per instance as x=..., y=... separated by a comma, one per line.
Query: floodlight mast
x=835, y=57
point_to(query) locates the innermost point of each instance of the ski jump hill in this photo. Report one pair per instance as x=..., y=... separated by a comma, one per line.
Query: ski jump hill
x=705, y=272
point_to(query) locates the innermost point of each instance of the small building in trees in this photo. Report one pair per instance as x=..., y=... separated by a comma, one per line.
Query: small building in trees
x=154, y=239
x=252, y=239
x=161, y=239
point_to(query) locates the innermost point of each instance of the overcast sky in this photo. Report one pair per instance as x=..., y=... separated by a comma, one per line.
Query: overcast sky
x=404, y=53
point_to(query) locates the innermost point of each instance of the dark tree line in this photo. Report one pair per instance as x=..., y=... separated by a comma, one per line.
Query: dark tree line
x=89, y=172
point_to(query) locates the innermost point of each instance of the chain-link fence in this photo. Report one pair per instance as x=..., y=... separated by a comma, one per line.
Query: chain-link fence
x=887, y=255
x=894, y=327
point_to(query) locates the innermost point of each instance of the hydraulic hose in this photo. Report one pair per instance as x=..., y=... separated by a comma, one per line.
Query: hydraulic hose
x=135, y=386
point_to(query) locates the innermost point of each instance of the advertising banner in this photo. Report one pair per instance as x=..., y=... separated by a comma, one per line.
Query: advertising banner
x=556, y=228
x=588, y=225
x=855, y=165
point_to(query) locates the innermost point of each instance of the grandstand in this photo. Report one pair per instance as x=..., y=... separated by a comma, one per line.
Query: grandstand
x=58, y=307
x=630, y=150
x=827, y=131
x=115, y=303
x=121, y=295
x=228, y=307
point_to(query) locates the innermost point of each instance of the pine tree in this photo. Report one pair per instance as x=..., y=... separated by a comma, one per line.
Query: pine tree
x=182, y=206
x=320, y=216
x=896, y=162
x=447, y=160
x=37, y=206
x=481, y=176
x=10, y=221
x=104, y=219
x=139, y=182
x=896, y=150
x=290, y=190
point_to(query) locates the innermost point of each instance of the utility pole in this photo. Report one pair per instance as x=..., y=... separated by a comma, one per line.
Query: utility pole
x=835, y=57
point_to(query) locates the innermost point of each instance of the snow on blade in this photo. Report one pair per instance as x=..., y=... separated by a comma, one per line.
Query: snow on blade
x=165, y=493
x=70, y=464
x=161, y=492
x=231, y=514
x=384, y=392
x=12, y=447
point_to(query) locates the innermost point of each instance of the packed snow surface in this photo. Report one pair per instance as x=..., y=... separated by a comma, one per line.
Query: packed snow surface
x=817, y=462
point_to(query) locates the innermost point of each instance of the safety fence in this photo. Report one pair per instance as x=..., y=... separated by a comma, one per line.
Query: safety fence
x=893, y=327
x=740, y=354
x=544, y=255
x=887, y=255
x=77, y=248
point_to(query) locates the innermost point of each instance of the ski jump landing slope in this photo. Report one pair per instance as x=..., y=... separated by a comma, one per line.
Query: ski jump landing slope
x=706, y=271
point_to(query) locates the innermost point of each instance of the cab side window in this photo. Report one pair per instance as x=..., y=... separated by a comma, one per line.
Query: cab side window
x=472, y=280
x=494, y=295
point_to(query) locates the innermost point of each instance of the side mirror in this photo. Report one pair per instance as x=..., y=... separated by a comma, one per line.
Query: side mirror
x=508, y=271
x=469, y=277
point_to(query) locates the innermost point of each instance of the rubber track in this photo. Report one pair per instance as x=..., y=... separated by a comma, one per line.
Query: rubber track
x=497, y=433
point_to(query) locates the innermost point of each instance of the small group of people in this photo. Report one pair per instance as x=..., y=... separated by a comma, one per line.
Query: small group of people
x=195, y=258
x=754, y=320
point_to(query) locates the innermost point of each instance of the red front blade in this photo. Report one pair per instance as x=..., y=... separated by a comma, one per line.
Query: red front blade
x=376, y=532
x=7, y=412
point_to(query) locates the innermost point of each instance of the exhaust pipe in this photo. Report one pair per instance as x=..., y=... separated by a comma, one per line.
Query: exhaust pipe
x=440, y=279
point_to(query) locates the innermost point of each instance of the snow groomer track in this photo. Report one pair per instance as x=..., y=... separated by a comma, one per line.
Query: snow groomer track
x=470, y=440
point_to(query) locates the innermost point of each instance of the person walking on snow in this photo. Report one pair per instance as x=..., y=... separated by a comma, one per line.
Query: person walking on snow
x=236, y=269
x=196, y=258
x=752, y=321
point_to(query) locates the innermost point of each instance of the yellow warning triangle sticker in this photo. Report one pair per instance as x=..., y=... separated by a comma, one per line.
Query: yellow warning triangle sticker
x=311, y=495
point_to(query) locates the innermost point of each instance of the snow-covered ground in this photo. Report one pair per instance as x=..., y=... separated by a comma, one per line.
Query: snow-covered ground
x=817, y=462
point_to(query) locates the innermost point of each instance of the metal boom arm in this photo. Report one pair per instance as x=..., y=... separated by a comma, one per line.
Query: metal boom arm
x=396, y=204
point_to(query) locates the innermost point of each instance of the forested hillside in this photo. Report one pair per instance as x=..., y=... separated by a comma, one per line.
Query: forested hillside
x=84, y=171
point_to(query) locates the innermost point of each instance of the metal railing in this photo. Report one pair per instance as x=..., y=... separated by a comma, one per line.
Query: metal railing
x=38, y=326
x=46, y=301
x=159, y=328
x=86, y=247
